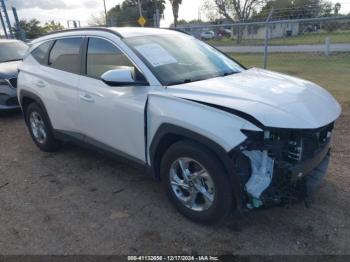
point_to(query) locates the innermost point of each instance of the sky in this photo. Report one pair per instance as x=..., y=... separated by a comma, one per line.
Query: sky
x=63, y=10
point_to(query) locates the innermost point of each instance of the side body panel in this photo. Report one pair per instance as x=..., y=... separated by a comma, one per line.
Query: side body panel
x=114, y=115
x=220, y=127
x=57, y=89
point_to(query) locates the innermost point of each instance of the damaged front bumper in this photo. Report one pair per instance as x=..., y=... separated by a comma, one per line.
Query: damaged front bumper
x=8, y=96
x=278, y=167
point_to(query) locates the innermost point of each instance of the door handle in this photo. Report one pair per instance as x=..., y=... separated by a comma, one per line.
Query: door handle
x=87, y=98
x=40, y=84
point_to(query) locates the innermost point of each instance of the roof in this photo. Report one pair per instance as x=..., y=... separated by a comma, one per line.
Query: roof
x=126, y=32
x=122, y=32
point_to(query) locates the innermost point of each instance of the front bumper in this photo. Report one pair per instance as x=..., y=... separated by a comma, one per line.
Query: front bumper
x=307, y=166
x=297, y=183
x=8, y=98
x=283, y=168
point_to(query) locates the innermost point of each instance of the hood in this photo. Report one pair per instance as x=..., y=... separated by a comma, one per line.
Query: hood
x=9, y=69
x=274, y=99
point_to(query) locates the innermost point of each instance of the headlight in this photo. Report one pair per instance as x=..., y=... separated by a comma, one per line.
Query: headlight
x=4, y=82
x=253, y=135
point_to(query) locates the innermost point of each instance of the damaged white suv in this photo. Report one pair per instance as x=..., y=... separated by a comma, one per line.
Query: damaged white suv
x=219, y=136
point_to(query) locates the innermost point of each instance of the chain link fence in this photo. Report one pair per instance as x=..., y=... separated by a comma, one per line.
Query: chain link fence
x=317, y=49
x=325, y=35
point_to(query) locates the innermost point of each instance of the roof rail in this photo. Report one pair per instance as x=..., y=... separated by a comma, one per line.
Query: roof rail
x=106, y=29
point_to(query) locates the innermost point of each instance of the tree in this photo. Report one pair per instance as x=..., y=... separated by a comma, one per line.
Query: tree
x=337, y=7
x=31, y=28
x=97, y=20
x=234, y=10
x=296, y=9
x=52, y=26
x=175, y=4
x=127, y=13
x=237, y=10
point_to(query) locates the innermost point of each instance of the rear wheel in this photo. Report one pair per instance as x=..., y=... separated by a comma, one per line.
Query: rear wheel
x=40, y=130
x=196, y=182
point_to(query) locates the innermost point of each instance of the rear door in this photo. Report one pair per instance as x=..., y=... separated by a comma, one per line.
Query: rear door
x=60, y=77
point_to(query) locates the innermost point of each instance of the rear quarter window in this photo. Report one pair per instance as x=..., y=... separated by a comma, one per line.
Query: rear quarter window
x=40, y=53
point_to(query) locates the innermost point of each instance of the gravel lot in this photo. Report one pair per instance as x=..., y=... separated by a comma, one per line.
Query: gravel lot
x=78, y=202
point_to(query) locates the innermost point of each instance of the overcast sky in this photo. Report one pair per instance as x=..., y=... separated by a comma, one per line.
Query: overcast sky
x=63, y=10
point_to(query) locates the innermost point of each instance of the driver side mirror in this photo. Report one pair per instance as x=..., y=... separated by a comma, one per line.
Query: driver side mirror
x=121, y=77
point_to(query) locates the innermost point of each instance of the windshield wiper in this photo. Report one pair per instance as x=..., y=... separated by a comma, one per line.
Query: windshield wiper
x=185, y=81
x=229, y=73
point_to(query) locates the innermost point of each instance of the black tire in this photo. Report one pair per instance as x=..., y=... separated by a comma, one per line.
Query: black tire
x=223, y=202
x=50, y=143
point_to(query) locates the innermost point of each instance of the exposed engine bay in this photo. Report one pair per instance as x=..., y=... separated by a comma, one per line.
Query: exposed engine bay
x=281, y=166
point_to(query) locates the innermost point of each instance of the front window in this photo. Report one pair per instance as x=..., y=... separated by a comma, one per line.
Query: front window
x=103, y=56
x=12, y=51
x=178, y=59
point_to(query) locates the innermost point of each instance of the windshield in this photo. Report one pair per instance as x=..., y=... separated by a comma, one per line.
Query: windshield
x=12, y=51
x=176, y=59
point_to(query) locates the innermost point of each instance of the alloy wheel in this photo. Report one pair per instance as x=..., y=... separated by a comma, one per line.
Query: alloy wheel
x=38, y=127
x=192, y=184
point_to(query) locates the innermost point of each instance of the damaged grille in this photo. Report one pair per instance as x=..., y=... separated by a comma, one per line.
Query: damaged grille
x=13, y=82
x=294, y=153
x=306, y=143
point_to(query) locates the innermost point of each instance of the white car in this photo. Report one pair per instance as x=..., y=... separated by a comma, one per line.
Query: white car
x=219, y=136
x=208, y=35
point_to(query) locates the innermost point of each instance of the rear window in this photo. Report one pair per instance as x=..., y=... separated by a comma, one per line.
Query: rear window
x=65, y=55
x=40, y=53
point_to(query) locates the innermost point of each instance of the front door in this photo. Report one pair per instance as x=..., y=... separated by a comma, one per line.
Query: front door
x=111, y=117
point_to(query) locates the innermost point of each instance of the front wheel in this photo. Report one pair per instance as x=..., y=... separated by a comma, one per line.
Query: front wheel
x=196, y=182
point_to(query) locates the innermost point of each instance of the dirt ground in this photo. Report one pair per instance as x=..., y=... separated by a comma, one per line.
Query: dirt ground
x=78, y=202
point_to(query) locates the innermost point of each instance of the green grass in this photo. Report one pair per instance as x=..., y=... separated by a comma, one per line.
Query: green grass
x=310, y=38
x=332, y=72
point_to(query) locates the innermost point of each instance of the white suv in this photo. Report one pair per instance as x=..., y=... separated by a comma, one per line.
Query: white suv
x=220, y=136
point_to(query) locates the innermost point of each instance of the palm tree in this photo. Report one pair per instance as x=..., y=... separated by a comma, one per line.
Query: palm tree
x=175, y=6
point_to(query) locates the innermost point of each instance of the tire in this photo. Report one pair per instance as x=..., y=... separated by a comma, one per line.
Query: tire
x=214, y=181
x=40, y=130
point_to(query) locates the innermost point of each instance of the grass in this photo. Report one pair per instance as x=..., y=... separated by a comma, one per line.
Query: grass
x=310, y=38
x=331, y=72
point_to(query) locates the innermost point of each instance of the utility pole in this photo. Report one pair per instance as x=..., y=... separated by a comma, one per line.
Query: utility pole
x=104, y=4
x=140, y=8
x=7, y=19
x=20, y=32
x=3, y=24
x=157, y=18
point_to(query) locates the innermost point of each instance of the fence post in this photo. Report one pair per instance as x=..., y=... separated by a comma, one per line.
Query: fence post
x=327, y=46
x=266, y=42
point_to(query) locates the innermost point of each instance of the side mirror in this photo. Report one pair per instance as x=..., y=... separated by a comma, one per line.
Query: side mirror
x=121, y=77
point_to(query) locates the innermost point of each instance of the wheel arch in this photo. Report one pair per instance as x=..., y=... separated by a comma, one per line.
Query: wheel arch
x=26, y=98
x=167, y=134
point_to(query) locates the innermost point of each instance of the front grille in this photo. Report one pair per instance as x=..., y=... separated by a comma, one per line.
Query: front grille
x=307, y=143
x=13, y=101
x=13, y=82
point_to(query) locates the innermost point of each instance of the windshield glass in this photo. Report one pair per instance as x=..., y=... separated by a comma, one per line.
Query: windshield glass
x=12, y=51
x=176, y=59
